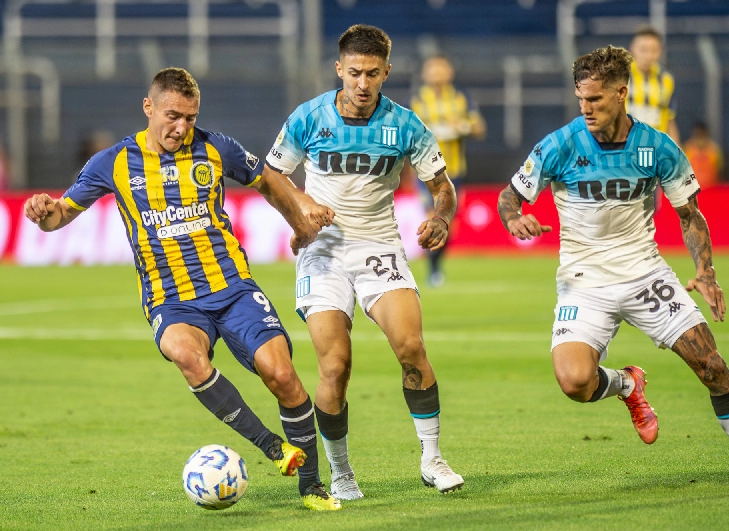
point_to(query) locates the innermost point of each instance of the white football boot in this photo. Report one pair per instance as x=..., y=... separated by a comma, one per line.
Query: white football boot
x=345, y=487
x=436, y=473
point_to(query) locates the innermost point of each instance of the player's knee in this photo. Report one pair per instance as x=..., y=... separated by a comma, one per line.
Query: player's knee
x=409, y=349
x=192, y=361
x=335, y=374
x=282, y=379
x=576, y=388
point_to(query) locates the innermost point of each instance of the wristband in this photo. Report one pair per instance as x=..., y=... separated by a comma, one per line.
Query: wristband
x=442, y=219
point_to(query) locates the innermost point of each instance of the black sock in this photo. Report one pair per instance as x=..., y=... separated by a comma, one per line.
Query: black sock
x=423, y=403
x=298, y=425
x=601, y=386
x=333, y=427
x=224, y=401
x=721, y=405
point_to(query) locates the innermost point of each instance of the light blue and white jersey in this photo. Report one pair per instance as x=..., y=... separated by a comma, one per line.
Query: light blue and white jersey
x=355, y=169
x=605, y=199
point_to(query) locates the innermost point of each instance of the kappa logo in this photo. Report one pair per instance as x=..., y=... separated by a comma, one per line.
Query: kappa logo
x=137, y=183
x=202, y=174
x=230, y=418
x=325, y=133
x=538, y=151
x=582, y=162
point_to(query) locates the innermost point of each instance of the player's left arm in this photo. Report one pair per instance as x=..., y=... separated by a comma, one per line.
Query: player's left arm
x=696, y=237
x=433, y=233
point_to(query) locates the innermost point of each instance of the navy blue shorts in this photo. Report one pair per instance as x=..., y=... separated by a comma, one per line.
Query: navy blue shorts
x=240, y=314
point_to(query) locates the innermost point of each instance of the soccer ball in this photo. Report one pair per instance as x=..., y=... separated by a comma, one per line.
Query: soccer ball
x=215, y=477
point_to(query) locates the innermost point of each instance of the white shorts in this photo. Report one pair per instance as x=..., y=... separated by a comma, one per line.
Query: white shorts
x=331, y=273
x=657, y=304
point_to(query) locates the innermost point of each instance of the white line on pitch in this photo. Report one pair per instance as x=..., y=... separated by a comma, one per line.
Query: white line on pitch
x=53, y=305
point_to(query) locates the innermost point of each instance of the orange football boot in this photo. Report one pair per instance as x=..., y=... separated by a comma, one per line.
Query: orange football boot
x=642, y=414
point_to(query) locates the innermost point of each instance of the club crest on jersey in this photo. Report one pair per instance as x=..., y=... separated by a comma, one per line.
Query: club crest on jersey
x=389, y=136
x=646, y=157
x=202, y=174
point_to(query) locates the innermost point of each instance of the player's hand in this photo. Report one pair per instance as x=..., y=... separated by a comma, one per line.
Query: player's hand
x=303, y=237
x=432, y=234
x=526, y=227
x=318, y=215
x=711, y=292
x=39, y=207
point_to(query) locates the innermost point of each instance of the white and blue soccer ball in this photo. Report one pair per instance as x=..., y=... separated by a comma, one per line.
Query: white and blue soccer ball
x=215, y=477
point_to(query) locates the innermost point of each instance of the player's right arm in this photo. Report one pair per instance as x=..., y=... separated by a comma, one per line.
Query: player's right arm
x=525, y=186
x=315, y=213
x=49, y=214
x=524, y=227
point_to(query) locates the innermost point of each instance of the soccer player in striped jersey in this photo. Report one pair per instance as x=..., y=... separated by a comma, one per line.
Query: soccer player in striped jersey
x=651, y=97
x=194, y=280
x=353, y=143
x=603, y=168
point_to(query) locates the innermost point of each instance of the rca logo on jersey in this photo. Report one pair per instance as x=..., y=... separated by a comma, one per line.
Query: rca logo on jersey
x=170, y=175
x=172, y=213
x=567, y=313
x=137, y=183
x=356, y=163
x=617, y=189
x=202, y=174
x=251, y=161
x=528, y=166
x=646, y=157
x=389, y=135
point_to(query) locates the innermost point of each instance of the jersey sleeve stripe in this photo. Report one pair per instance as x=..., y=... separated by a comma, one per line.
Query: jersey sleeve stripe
x=74, y=204
x=258, y=178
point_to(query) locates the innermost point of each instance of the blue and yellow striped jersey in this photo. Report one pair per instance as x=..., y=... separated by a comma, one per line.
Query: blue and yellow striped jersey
x=172, y=207
x=650, y=98
x=439, y=113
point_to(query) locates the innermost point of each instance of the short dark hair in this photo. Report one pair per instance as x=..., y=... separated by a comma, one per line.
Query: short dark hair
x=176, y=80
x=609, y=65
x=647, y=31
x=362, y=39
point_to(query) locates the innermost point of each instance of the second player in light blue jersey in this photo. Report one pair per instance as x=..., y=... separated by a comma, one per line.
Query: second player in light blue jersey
x=353, y=143
x=603, y=169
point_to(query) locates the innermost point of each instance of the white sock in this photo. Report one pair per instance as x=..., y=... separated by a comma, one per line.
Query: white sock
x=724, y=423
x=628, y=384
x=338, y=456
x=428, y=431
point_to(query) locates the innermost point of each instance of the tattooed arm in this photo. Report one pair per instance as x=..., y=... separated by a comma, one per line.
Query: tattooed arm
x=433, y=233
x=519, y=225
x=696, y=237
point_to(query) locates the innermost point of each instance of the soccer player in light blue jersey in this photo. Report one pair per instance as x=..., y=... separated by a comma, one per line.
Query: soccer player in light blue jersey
x=603, y=168
x=194, y=280
x=353, y=143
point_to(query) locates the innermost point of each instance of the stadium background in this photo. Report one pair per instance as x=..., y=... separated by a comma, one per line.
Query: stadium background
x=72, y=70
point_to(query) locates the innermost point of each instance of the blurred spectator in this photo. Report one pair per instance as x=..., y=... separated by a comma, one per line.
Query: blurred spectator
x=452, y=117
x=704, y=155
x=650, y=92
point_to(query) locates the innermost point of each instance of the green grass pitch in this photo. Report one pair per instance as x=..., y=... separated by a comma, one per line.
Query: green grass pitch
x=95, y=427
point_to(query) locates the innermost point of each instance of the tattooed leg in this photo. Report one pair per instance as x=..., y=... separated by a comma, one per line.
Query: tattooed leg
x=698, y=349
